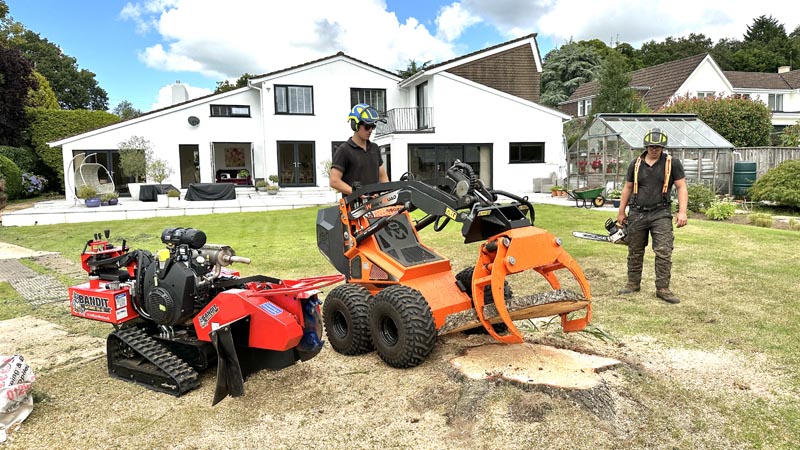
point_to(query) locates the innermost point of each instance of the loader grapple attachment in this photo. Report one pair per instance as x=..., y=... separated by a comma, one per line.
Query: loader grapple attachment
x=403, y=284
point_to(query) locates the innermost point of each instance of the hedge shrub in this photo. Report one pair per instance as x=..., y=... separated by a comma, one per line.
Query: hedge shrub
x=48, y=125
x=700, y=197
x=743, y=122
x=781, y=185
x=13, y=176
x=24, y=158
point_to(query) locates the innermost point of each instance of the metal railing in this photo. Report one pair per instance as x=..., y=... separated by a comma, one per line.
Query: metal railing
x=407, y=120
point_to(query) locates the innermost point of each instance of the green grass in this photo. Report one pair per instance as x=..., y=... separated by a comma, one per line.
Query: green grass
x=738, y=285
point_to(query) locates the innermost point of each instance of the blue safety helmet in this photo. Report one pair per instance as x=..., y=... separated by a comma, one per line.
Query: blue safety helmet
x=362, y=112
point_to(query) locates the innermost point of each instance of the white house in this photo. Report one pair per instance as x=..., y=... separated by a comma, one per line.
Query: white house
x=480, y=108
x=700, y=76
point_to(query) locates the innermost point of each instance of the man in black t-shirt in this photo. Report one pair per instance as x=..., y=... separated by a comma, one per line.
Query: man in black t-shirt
x=647, y=189
x=358, y=161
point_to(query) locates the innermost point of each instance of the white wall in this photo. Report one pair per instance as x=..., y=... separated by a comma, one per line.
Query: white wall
x=331, y=83
x=468, y=113
x=169, y=129
x=705, y=78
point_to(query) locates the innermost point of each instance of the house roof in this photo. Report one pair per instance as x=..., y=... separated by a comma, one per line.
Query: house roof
x=485, y=50
x=323, y=59
x=657, y=83
x=684, y=130
x=761, y=80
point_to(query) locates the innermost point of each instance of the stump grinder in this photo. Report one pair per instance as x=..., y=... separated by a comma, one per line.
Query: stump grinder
x=401, y=294
x=183, y=310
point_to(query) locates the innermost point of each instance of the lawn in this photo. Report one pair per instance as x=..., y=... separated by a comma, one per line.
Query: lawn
x=719, y=370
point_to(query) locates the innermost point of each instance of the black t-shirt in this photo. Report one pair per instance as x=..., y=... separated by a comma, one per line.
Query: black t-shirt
x=356, y=164
x=651, y=179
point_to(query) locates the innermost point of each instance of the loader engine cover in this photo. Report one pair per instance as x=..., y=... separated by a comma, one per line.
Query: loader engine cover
x=169, y=293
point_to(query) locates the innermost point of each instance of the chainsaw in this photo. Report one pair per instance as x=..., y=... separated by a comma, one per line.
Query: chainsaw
x=617, y=233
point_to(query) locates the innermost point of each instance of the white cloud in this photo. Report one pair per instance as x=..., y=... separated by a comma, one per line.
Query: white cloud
x=453, y=20
x=629, y=21
x=223, y=41
x=164, y=97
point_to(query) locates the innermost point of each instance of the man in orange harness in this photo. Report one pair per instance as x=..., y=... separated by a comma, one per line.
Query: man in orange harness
x=648, y=185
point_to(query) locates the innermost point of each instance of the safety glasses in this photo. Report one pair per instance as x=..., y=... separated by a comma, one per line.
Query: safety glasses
x=369, y=126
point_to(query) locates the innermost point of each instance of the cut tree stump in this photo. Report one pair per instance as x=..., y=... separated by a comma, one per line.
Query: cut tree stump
x=533, y=364
x=542, y=304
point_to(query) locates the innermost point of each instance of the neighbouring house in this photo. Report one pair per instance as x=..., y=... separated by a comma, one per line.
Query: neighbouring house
x=481, y=108
x=700, y=76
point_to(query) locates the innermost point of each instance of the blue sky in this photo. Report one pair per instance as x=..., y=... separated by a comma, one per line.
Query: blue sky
x=138, y=48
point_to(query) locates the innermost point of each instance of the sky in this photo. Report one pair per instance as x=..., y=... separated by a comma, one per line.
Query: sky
x=137, y=49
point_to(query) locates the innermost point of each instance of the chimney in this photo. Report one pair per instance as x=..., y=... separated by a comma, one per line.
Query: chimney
x=784, y=69
x=179, y=93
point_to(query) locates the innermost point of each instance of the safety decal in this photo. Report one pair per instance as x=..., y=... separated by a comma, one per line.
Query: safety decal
x=270, y=308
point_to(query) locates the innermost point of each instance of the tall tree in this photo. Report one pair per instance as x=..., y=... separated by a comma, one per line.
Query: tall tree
x=225, y=86
x=15, y=82
x=413, y=68
x=615, y=95
x=566, y=68
x=765, y=47
x=126, y=111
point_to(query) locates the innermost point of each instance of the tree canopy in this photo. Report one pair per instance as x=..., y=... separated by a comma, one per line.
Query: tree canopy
x=225, y=86
x=74, y=88
x=566, y=68
x=15, y=82
x=126, y=111
x=412, y=68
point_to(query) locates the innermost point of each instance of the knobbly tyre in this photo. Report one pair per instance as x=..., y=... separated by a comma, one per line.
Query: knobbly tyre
x=617, y=233
x=182, y=310
x=400, y=294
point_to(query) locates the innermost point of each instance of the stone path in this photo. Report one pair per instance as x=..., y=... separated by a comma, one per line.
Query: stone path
x=37, y=288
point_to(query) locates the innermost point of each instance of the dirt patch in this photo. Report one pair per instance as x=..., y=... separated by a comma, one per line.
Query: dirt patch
x=45, y=346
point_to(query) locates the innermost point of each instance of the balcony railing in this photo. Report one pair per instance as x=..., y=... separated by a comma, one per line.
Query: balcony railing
x=407, y=120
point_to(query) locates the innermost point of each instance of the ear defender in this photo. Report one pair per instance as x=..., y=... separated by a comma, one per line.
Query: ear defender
x=353, y=125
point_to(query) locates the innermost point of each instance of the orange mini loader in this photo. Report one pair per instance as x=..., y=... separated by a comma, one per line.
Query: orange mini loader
x=400, y=294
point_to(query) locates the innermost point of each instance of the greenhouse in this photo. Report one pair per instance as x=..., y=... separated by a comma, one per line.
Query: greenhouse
x=601, y=156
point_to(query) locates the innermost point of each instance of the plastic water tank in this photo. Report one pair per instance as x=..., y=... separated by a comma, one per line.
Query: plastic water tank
x=744, y=174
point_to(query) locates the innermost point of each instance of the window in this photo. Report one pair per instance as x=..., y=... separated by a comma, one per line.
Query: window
x=294, y=100
x=705, y=94
x=230, y=111
x=584, y=107
x=742, y=96
x=776, y=102
x=526, y=152
x=373, y=97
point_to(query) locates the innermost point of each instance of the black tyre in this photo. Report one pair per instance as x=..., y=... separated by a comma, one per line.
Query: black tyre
x=403, y=330
x=345, y=314
x=599, y=201
x=465, y=277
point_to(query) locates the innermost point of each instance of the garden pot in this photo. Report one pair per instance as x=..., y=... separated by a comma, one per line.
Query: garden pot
x=615, y=202
x=134, y=190
x=272, y=191
x=113, y=201
x=92, y=202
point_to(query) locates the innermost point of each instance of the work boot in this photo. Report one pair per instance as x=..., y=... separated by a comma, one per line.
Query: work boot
x=629, y=288
x=667, y=295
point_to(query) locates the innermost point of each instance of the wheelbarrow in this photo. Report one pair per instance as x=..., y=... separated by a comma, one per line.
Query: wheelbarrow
x=587, y=197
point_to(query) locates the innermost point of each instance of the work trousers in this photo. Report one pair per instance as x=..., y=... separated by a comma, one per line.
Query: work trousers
x=641, y=225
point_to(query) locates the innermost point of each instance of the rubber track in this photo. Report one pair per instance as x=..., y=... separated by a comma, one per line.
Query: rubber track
x=184, y=377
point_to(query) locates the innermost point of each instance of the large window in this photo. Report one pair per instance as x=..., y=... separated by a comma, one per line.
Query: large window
x=705, y=94
x=294, y=99
x=526, y=152
x=776, y=102
x=230, y=111
x=373, y=97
